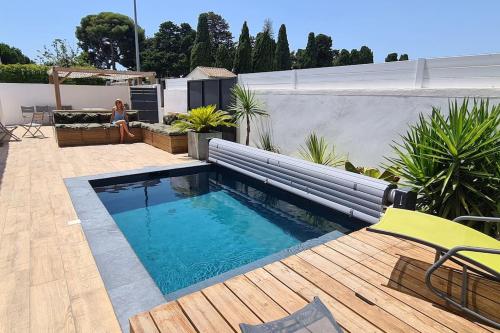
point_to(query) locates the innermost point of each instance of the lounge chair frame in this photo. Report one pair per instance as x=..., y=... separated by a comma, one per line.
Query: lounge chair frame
x=35, y=126
x=8, y=131
x=467, y=264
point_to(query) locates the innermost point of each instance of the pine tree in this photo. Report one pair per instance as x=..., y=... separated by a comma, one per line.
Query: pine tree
x=200, y=54
x=311, y=53
x=403, y=57
x=223, y=57
x=365, y=55
x=263, y=54
x=243, y=55
x=325, y=52
x=343, y=58
x=282, y=59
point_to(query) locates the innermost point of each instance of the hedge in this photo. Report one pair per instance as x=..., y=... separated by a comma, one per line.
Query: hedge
x=32, y=73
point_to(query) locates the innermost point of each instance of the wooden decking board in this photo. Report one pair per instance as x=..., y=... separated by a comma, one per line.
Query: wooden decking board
x=476, y=284
x=380, y=279
x=346, y=317
x=229, y=306
x=143, y=323
x=275, y=289
x=405, y=270
x=347, y=296
x=261, y=304
x=375, y=295
x=202, y=314
x=169, y=318
x=416, y=267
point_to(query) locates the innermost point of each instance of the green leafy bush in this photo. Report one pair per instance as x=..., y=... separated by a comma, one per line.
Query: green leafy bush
x=32, y=73
x=203, y=120
x=387, y=175
x=453, y=161
x=317, y=150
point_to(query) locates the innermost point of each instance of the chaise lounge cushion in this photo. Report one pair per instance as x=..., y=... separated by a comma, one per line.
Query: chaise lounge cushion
x=88, y=117
x=80, y=126
x=162, y=129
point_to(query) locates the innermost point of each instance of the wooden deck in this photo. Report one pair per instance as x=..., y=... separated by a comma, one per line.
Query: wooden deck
x=49, y=280
x=370, y=282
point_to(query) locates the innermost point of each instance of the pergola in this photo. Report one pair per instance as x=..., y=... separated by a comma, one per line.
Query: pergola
x=57, y=75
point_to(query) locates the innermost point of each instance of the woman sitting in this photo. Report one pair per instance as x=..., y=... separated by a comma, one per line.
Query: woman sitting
x=119, y=118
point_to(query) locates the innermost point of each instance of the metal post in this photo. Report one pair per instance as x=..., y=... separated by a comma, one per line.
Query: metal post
x=137, y=60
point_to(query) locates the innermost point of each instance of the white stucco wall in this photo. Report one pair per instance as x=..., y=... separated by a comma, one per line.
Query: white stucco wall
x=13, y=95
x=361, y=123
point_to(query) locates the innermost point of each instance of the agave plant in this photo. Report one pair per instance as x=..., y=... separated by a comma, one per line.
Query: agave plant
x=203, y=119
x=387, y=175
x=454, y=161
x=318, y=151
x=245, y=106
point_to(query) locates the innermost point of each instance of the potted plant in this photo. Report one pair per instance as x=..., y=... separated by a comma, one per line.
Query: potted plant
x=199, y=124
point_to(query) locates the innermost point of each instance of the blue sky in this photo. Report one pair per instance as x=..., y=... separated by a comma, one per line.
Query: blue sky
x=420, y=28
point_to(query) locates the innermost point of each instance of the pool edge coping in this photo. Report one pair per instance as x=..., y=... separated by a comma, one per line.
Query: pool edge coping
x=140, y=294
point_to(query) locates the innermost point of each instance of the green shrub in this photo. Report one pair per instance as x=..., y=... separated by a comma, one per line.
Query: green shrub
x=387, y=175
x=203, y=120
x=317, y=150
x=454, y=161
x=32, y=73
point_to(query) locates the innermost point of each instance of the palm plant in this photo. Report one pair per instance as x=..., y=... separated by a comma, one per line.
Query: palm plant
x=245, y=106
x=317, y=150
x=387, y=175
x=454, y=161
x=203, y=119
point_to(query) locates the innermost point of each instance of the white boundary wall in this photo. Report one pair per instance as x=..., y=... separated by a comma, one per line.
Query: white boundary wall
x=13, y=95
x=362, y=108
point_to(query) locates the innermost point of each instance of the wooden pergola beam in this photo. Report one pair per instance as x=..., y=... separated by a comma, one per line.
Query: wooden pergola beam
x=57, y=88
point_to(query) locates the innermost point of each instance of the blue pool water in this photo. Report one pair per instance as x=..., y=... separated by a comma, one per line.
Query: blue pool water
x=188, y=228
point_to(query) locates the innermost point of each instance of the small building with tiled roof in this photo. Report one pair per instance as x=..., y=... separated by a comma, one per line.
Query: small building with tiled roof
x=201, y=72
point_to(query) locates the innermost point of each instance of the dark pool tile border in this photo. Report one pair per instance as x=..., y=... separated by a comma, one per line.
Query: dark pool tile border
x=129, y=286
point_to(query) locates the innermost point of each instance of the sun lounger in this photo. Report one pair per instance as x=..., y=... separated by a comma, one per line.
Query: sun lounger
x=469, y=248
x=314, y=317
x=8, y=131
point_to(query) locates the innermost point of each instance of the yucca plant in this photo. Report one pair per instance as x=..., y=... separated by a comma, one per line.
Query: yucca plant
x=317, y=150
x=387, y=175
x=453, y=161
x=266, y=139
x=203, y=119
x=245, y=106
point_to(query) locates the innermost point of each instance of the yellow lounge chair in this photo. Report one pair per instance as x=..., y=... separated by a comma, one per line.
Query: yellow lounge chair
x=453, y=241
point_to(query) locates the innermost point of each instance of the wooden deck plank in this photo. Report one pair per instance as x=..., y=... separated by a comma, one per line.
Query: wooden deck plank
x=477, y=284
x=347, y=318
x=229, y=306
x=202, y=314
x=279, y=292
x=478, y=302
x=169, y=318
x=143, y=323
x=261, y=304
x=381, y=278
x=377, y=316
x=376, y=296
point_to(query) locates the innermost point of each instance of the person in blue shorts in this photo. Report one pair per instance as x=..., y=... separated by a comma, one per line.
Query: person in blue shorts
x=119, y=118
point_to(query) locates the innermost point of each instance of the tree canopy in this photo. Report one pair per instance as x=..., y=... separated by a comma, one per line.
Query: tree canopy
x=403, y=57
x=263, y=54
x=243, y=55
x=12, y=55
x=223, y=57
x=60, y=53
x=108, y=38
x=201, y=53
x=282, y=59
x=325, y=53
x=168, y=53
x=391, y=57
x=310, y=58
x=218, y=29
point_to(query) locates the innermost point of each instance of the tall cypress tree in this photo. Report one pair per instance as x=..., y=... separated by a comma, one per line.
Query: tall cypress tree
x=282, y=59
x=200, y=54
x=311, y=54
x=243, y=54
x=263, y=54
x=223, y=57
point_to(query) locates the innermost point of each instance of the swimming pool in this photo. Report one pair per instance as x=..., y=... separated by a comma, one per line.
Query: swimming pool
x=192, y=226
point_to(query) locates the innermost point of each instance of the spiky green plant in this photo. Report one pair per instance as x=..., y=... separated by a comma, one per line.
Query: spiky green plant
x=317, y=150
x=203, y=119
x=266, y=139
x=453, y=160
x=387, y=175
x=246, y=106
